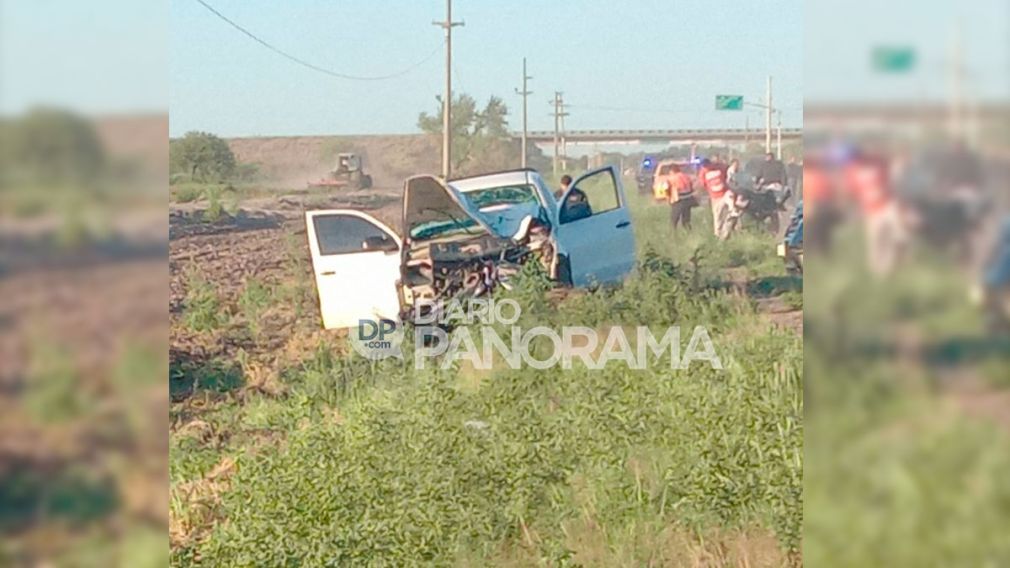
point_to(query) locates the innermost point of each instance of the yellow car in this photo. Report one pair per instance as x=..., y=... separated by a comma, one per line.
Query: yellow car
x=664, y=175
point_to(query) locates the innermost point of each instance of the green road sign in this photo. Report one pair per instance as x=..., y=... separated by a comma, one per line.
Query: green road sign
x=729, y=102
x=893, y=59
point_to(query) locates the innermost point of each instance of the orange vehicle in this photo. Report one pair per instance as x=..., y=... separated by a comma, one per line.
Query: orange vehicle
x=664, y=173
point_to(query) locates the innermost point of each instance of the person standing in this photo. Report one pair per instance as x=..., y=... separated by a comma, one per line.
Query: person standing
x=681, y=198
x=867, y=179
x=772, y=171
x=794, y=175
x=731, y=172
x=820, y=208
x=712, y=178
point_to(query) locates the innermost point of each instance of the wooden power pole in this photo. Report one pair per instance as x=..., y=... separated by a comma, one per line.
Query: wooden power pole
x=559, y=113
x=525, y=93
x=447, y=25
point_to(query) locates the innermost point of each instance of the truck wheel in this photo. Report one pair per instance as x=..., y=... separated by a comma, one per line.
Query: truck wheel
x=366, y=181
x=564, y=271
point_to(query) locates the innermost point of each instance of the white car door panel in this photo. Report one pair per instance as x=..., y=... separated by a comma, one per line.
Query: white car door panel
x=356, y=264
x=596, y=234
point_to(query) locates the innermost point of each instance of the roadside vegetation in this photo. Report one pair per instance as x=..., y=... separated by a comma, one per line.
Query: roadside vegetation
x=202, y=168
x=907, y=424
x=55, y=171
x=312, y=456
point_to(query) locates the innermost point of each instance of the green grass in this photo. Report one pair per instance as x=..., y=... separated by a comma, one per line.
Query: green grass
x=375, y=462
x=899, y=471
x=203, y=310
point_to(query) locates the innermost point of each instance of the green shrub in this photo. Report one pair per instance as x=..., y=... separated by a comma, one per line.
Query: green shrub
x=214, y=206
x=188, y=192
x=203, y=309
x=254, y=300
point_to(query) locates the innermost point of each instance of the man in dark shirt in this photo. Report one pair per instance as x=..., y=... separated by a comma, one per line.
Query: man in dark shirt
x=771, y=171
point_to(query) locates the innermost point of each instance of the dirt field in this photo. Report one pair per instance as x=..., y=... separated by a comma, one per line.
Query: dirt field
x=82, y=398
x=292, y=161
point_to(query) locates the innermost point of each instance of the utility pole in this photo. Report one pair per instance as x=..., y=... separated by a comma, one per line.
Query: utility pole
x=778, y=134
x=768, y=116
x=746, y=132
x=525, y=92
x=447, y=25
x=956, y=78
x=558, y=113
x=564, y=140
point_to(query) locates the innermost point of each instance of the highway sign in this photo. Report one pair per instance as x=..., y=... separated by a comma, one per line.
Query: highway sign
x=729, y=102
x=893, y=59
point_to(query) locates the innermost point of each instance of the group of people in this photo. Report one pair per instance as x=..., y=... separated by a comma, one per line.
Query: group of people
x=869, y=181
x=721, y=181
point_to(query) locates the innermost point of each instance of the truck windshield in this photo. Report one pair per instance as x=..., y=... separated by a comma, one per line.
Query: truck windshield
x=503, y=195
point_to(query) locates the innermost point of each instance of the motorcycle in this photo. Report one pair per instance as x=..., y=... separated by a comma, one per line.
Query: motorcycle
x=946, y=222
x=762, y=205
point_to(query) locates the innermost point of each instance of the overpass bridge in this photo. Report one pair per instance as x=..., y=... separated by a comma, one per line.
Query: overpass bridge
x=662, y=136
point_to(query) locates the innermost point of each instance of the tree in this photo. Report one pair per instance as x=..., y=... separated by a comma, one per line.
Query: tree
x=51, y=146
x=480, y=138
x=201, y=156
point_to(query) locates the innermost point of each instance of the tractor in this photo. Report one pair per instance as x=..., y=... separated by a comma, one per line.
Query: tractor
x=349, y=172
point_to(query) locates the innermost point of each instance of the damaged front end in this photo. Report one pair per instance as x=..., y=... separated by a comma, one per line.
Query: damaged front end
x=451, y=252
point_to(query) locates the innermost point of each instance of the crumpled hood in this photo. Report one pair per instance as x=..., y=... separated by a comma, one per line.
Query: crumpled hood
x=427, y=200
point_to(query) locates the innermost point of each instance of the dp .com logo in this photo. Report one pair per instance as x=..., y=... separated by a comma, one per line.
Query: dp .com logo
x=377, y=339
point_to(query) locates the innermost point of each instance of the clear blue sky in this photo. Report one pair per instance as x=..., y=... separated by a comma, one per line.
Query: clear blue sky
x=95, y=57
x=671, y=57
x=122, y=56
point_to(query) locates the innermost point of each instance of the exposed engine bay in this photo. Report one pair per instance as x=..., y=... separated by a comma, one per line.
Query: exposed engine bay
x=450, y=250
x=469, y=267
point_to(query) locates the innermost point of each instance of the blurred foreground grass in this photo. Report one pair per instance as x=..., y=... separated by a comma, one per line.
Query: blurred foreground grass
x=906, y=442
x=82, y=341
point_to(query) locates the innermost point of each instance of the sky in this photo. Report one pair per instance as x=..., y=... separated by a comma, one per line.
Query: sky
x=101, y=57
x=629, y=64
x=840, y=35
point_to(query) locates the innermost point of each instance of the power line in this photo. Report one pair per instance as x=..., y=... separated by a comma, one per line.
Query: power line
x=317, y=68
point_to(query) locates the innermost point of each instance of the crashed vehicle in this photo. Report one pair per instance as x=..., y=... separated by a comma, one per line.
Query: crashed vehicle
x=993, y=292
x=466, y=237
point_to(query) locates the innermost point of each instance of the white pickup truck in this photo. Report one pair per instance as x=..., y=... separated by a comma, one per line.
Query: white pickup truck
x=464, y=238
